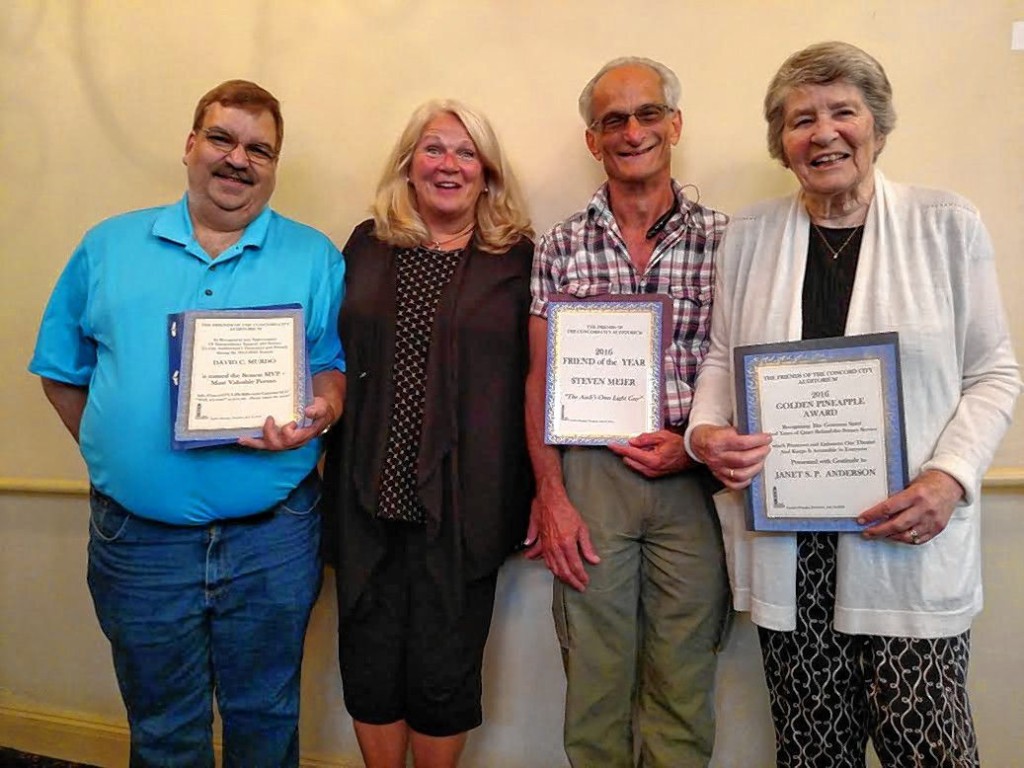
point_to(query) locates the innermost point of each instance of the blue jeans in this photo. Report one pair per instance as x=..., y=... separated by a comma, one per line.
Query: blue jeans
x=193, y=610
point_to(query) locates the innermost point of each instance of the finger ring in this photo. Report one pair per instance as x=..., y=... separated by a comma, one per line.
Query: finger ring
x=914, y=535
x=732, y=473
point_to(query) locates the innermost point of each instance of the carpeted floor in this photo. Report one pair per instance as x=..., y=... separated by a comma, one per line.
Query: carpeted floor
x=12, y=758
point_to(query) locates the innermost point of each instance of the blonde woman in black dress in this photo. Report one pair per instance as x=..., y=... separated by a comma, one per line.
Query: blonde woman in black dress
x=427, y=476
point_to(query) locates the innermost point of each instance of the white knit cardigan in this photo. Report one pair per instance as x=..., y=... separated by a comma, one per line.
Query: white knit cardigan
x=926, y=270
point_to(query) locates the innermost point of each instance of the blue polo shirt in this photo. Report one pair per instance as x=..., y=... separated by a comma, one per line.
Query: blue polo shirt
x=105, y=328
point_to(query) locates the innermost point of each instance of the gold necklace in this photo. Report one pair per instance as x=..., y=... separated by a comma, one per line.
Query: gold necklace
x=836, y=251
x=435, y=245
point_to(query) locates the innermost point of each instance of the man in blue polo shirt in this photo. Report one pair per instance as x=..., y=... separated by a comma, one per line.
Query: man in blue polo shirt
x=203, y=564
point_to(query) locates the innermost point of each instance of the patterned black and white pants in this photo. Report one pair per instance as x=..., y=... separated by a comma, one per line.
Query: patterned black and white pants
x=830, y=691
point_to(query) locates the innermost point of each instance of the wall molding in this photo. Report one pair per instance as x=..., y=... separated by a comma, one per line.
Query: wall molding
x=89, y=738
x=64, y=735
x=1003, y=477
x=995, y=479
x=48, y=486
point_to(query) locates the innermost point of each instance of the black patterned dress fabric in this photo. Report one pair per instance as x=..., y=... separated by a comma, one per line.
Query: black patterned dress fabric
x=829, y=691
x=423, y=275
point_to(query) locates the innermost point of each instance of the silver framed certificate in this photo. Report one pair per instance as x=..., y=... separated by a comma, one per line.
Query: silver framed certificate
x=231, y=369
x=604, y=368
x=834, y=408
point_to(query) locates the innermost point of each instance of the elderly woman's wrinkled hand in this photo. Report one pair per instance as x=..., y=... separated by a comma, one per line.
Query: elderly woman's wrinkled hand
x=734, y=459
x=918, y=513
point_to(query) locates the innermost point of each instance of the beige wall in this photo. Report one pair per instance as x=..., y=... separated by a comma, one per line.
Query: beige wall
x=98, y=96
x=96, y=103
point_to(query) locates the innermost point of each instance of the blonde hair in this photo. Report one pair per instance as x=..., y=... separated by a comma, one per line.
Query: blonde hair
x=501, y=218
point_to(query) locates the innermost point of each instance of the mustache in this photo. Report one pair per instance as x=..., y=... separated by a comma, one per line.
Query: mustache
x=228, y=171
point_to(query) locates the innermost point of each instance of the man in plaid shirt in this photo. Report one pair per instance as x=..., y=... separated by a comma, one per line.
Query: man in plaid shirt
x=630, y=532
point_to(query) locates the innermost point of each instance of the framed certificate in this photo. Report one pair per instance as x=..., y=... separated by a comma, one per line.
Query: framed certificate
x=604, y=368
x=231, y=369
x=834, y=408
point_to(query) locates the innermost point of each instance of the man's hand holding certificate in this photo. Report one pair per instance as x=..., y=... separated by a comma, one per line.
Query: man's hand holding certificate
x=237, y=374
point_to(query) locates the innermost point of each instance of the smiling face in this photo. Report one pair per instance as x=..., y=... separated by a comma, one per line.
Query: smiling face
x=227, y=191
x=636, y=153
x=446, y=173
x=829, y=141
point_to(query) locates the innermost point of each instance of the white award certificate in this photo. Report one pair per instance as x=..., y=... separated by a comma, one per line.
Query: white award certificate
x=604, y=368
x=834, y=410
x=231, y=369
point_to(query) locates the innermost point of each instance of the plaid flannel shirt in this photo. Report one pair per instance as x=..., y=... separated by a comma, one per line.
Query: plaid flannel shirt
x=585, y=255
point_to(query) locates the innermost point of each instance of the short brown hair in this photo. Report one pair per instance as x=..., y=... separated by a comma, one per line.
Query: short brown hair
x=246, y=95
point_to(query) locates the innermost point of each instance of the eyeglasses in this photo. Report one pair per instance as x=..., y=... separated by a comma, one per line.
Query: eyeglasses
x=258, y=154
x=648, y=114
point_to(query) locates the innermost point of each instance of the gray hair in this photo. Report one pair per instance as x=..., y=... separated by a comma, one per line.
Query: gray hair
x=670, y=88
x=822, y=64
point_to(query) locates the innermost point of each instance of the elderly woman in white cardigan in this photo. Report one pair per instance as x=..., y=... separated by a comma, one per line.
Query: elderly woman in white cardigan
x=863, y=635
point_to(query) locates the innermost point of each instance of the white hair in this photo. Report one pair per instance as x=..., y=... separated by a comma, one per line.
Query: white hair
x=670, y=88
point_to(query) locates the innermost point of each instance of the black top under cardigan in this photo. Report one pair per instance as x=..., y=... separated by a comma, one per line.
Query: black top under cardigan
x=474, y=476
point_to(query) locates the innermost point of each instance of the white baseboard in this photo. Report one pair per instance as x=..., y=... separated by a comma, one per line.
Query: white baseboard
x=91, y=739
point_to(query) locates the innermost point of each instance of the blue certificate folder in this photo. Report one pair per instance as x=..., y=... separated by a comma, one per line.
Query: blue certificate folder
x=831, y=461
x=180, y=334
